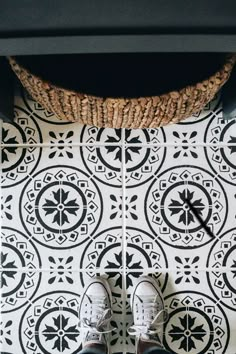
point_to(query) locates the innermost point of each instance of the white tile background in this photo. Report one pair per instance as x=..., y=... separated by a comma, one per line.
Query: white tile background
x=135, y=177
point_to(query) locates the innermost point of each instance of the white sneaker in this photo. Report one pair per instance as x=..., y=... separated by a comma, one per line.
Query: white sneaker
x=148, y=311
x=95, y=313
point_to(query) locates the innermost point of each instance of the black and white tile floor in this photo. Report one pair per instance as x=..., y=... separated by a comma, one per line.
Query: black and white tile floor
x=79, y=201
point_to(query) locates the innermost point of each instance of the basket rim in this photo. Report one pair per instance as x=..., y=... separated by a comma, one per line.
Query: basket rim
x=229, y=63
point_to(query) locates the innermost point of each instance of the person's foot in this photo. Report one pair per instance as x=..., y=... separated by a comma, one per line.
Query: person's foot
x=95, y=314
x=148, y=312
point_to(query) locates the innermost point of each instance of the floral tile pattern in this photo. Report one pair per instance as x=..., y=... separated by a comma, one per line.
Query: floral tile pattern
x=79, y=201
x=197, y=322
x=188, y=131
x=48, y=313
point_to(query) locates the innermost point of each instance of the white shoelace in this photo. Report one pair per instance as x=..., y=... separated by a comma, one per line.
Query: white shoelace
x=100, y=321
x=153, y=327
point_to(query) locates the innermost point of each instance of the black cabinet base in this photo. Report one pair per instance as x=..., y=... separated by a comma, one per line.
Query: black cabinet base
x=6, y=90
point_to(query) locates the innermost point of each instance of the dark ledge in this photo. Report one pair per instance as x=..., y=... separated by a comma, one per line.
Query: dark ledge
x=89, y=26
x=43, y=27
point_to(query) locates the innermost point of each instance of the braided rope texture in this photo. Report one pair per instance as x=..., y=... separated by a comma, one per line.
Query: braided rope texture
x=142, y=112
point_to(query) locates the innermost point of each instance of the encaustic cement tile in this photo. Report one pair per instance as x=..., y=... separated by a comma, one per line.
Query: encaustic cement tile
x=40, y=312
x=197, y=322
x=61, y=206
x=184, y=208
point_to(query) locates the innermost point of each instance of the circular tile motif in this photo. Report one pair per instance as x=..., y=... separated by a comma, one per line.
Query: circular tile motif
x=143, y=252
x=196, y=324
x=18, y=163
x=141, y=162
x=222, y=159
x=38, y=111
x=93, y=135
x=180, y=201
x=61, y=206
x=223, y=254
x=50, y=324
x=17, y=252
x=209, y=110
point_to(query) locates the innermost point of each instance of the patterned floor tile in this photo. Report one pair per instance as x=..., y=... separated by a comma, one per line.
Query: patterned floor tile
x=104, y=163
x=64, y=188
x=143, y=251
x=17, y=163
x=222, y=160
x=222, y=260
x=184, y=207
x=205, y=308
x=190, y=130
x=142, y=162
x=197, y=322
x=40, y=312
x=24, y=130
x=180, y=200
x=20, y=251
x=65, y=205
x=194, y=129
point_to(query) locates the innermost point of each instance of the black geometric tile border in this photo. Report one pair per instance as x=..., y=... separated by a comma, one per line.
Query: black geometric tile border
x=78, y=201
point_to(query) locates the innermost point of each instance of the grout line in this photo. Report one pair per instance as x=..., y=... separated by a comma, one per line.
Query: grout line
x=124, y=246
x=181, y=144
x=123, y=271
x=182, y=269
x=16, y=106
x=59, y=270
x=59, y=144
x=199, y=144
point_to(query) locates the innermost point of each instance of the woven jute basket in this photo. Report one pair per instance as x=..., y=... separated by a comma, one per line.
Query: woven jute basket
x=142, y=112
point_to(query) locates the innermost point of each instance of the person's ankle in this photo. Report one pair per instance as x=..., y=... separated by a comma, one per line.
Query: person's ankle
x=100, y=346
x=144, y=344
